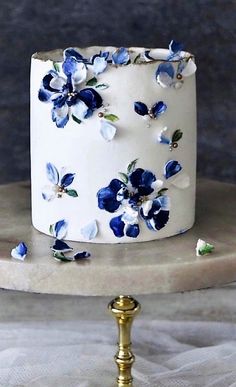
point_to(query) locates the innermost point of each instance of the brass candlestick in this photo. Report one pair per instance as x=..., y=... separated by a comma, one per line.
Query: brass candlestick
x=124, y=309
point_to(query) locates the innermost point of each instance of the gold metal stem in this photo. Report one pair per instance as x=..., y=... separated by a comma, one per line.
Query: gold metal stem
x=124, y=309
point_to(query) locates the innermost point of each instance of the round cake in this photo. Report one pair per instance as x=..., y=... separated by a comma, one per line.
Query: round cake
x=113, y=143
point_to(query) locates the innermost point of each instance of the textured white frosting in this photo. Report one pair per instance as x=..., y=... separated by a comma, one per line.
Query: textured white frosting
x=82, y=150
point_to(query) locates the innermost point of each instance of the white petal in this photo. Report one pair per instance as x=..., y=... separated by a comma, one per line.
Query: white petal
x=130, y=216
x=164, y=80
x=48, y=192
x=181, y=180
x=157, y=184
x=107, y=130
x=79, y=110
x=189, y=69
x=200, y=245
x=178, y=85
x=16, y=255
x=90, y=230
x=57, y=83
x=62, y=111
x=79, y=75
x=146, y=206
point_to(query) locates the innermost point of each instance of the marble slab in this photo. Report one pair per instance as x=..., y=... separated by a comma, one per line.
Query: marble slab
x=169, y=265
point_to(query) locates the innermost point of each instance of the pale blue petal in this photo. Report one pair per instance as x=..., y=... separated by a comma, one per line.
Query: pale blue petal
x=107, y=130
x=79, y=110
x=90, y=231
x=60, y=229
x=52, y=173
x=20, y=251
x=164, y=201
x=99, y=65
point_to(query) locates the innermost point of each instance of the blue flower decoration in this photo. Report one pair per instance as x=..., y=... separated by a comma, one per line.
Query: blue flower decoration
x=120, y=56
x=59, y=186
x=154, y=112
x=140, y=195
x=20, y=251
x=63, y=91
x=167, y=76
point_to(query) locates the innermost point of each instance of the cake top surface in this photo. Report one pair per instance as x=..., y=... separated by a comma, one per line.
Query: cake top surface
x=118, y=55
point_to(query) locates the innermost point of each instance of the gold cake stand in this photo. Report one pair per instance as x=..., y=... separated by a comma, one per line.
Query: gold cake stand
x=168, y=265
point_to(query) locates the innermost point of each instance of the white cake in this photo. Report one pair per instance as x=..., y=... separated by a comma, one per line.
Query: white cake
x=113, y=143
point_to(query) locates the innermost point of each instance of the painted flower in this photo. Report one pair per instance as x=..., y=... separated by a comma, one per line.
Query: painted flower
x=140, y=196
x=63, y=90
x=172, y=141
x=59, y=185
x=20, y=251
x=167, y=76
x=121, y=56
x=154, y=112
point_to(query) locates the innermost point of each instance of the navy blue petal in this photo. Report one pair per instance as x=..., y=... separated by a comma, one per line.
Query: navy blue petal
x=132, y=230
x=60, y=101
x=175, y=47
x=156, y=218
x=107, y=196
x=117, y=226
x=142, y=180
x=91, y=98
x=67, y=179
x=166, y=68
x=61, y=246
x=141, y=108
x=71, y=52
x=161, y=219
x=82, y=255
x=159, y=108
x=47, y=79
x=172, y=167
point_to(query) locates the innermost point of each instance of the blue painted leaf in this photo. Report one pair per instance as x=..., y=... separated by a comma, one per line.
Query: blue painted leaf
x=61, y=246
x=67, y=179
x=141, y=108
x=81, y=255
x=172, y=167
x=90, y=231
x=52, y=173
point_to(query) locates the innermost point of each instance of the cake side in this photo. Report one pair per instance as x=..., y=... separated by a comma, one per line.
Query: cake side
x=155, y=199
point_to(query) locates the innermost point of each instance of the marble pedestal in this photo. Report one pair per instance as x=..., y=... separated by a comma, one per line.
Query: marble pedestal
x=168, y=265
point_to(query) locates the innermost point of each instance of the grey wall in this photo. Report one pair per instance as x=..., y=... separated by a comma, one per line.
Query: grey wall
x=207, y=27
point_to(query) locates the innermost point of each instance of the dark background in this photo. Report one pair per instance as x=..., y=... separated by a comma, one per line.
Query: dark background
x=207, y=29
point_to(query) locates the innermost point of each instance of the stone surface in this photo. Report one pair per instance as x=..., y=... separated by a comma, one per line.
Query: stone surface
x=153, y=267
x=206, y=27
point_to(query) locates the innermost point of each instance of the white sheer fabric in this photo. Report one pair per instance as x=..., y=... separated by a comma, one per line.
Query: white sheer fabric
x=80, y=354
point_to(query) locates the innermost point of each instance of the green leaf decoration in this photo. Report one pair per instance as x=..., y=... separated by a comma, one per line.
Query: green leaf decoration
x=56, y=66
x=72, y=192
x=51, y=228
x=131, y=166
x=102, y=86
x=76, y=119
x=207, y=249
x=58, y=256
x=124, y=177
x=111, y=117
x=162, y=191
x=92, y=81
x=177, y=135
